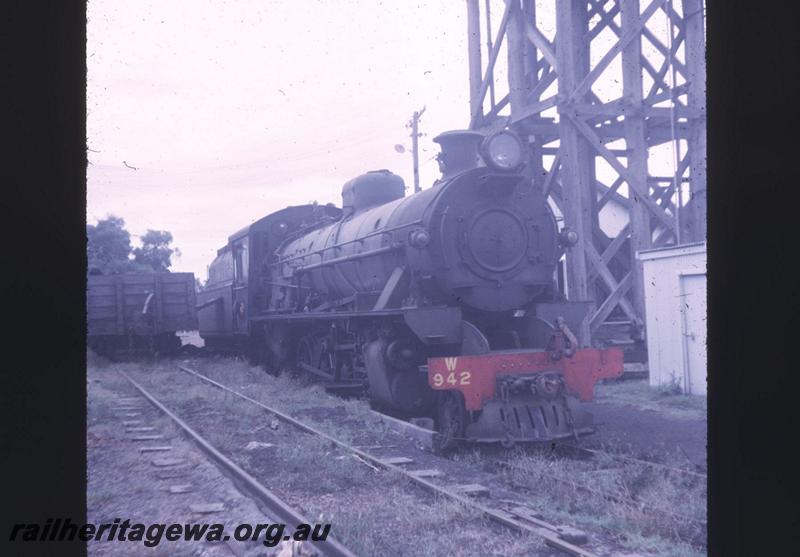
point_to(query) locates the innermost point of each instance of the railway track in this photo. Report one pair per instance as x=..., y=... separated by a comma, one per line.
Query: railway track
x=275, y=507
x=505, y=513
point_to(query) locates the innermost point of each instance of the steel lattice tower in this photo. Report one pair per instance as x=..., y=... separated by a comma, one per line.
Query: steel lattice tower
x=591, y=144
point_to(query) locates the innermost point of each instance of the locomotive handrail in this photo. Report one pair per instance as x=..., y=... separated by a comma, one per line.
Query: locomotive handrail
x=281, y=284
x=344, y=259
x=293, y=315
x=339, y=245
x=292, y=236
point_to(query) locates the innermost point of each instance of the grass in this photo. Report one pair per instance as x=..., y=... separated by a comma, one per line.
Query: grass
x=648, y=509
x=298, y=397
x=312, y=453
x=639, y=489
x=101, y=395
x=667, y=399
x=374, y=513
x=457, y=530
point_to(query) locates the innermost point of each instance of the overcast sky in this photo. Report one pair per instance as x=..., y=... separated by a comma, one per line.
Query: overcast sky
x=204, y=115
x=232, y=110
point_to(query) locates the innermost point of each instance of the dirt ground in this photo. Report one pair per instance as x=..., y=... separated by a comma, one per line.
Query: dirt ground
x=649, y=432
x=651, y=421
x=375, y=513
x=372, y=513
x=123, y=483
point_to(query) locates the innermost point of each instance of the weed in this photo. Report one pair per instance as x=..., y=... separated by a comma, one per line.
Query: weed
x=371, y=528
x=645, y=506
x=672, y=388
x=648, y=509
x=668, y=398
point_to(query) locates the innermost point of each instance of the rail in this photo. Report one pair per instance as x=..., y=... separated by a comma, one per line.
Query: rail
x=547, y=533
x=278, y=507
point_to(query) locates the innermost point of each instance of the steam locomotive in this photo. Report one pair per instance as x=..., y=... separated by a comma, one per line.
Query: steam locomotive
x=443, y=303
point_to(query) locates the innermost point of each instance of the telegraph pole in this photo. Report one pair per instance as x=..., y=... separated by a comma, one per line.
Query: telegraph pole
x=414, y=124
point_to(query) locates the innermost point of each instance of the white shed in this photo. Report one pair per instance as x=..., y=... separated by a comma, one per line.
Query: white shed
x=675, y=304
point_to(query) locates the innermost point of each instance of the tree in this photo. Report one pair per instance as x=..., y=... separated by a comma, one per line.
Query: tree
x=108, y=246
x=155, y=252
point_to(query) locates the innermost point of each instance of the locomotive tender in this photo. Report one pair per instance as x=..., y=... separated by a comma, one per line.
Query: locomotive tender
x=443, y=302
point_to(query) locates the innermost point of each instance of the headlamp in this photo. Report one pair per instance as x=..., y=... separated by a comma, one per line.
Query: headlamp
x=502, y=150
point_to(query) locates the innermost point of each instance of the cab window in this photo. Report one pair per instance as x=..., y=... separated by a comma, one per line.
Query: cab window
x=241, y=261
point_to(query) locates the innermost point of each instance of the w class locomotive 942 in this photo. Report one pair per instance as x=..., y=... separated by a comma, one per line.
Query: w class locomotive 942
x=443, y=302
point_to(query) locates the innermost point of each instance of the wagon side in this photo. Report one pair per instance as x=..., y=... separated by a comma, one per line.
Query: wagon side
x=139, y=310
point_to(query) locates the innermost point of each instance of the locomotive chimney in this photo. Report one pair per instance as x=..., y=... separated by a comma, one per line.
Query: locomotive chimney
x=459, y=151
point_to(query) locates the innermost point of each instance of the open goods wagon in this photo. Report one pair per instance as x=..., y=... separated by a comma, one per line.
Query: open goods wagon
x=137, y=312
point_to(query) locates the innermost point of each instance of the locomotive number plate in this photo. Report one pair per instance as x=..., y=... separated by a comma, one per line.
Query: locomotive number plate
x=450, y=377
x=462, y=378
x=466, y=374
